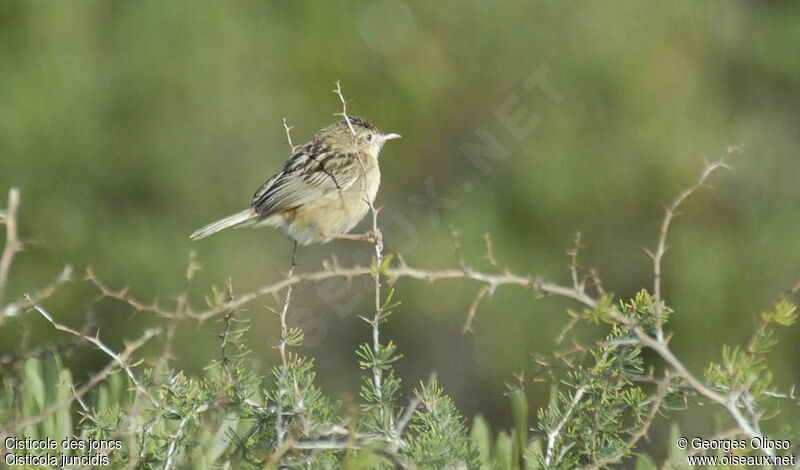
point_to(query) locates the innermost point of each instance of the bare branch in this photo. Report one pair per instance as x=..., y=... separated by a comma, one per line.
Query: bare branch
x=285, y=309
x=95, y=379
x=490, y=250
x=574, y=320
x=124, y=296
x=403, y=271
x=574, y=268
x=279, y=425
x=338, y=92
x=553, y=434
x=791, y=292
x=657, y=400
x=377, y=318
x=121, y=362
x=669, y=213
x=28, y=301
x=473, y=308
x=173, y=446
x=405, y=419
x=288, y=131
x=13, y=244
x=729, y=402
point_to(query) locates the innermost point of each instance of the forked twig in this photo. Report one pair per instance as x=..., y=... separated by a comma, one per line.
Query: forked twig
x=118, y=358
x=669, y=213
x=95, y=379
x=338, y=92
x=288, y=131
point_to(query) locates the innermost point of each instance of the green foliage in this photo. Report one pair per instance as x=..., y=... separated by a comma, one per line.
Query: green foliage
x=153, y=119
x=744, y=370
x=604, y=397
x=437, y=433
x=606, y=400
x=128, y=124
x=232, y=416
x=601, y=394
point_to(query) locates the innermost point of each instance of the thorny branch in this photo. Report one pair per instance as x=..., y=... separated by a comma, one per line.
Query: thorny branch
x=669, y=213
x=378, y=316
x=338, y=92
x=736, y=403
x=279, y=426
x=100, y=376
x=331, y=270
x=30, y=300
x=120, y=361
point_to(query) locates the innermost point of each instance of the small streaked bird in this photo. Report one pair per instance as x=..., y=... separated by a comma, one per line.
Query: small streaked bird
x=323, y=191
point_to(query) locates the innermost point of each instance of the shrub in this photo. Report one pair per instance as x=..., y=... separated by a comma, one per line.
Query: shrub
x=604, y=396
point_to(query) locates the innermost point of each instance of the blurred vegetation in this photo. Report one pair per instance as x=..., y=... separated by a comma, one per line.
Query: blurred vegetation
x=129, y=124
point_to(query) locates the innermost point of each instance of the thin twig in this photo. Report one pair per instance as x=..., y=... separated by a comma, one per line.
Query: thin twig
x=378, y=315
x=122, y=362
x=729, y=402
x=791, y=292
x=285, y=310
x=288, y=131
x=553, y=434
x=573, y=252
x=13, y=244
x=79, y=392
x=182, y=301
x=332, y=271
x=655, y=406
x=280, y=430
x=573, y=321
x=404, y=421
x=473, y=308
x=377, y=318
x=173, y=446
x=338, y=92
x=124, y=296
x=29, y=300
x=669, y=213
x=490, y=250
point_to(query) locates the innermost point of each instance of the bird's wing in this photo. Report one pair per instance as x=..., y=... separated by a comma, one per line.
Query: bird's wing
x=310, y=174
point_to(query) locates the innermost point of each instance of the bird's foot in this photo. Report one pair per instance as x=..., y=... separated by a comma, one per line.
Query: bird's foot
x=373, y=237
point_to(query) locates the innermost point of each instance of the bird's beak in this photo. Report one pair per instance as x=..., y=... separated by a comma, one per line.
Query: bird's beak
x=391, y=136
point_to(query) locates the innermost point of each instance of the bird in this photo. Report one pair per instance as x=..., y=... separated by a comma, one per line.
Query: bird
x=323, y=190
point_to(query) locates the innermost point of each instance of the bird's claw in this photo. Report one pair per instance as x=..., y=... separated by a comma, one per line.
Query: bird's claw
x=374, y=237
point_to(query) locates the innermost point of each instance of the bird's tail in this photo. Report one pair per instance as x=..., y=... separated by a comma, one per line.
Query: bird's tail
x=237, y=219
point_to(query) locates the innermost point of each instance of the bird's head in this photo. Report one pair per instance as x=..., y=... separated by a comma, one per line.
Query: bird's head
x=356, y=134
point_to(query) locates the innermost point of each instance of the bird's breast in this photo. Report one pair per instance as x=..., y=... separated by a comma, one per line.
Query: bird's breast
x=336, y=212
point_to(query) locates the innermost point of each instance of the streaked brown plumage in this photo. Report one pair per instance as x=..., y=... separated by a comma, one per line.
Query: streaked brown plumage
x=323, y=190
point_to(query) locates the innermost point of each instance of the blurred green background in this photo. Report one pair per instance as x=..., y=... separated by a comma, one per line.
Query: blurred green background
x=127, y=125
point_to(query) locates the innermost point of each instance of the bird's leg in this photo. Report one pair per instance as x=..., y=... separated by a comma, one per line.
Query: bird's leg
x=294, y=256
x=372, y=237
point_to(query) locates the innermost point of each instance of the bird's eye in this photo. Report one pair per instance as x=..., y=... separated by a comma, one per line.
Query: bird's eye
x=369, y=137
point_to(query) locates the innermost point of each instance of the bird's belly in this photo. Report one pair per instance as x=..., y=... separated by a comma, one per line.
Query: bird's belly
x=334, y=213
